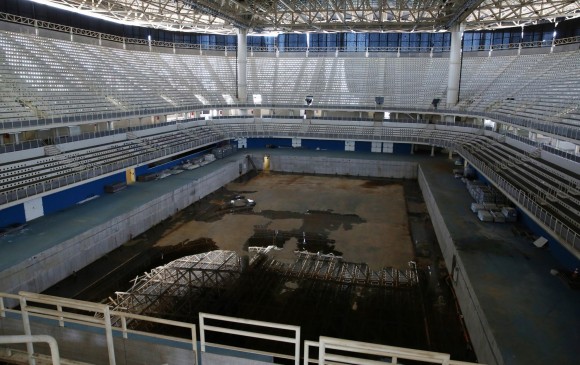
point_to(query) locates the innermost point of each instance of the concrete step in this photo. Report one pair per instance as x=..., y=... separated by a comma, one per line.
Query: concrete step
x=51, y=150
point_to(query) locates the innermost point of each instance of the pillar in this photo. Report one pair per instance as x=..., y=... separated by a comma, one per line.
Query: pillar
x=454, y=66
x=242, y=61
x=432, y=151
x=412, y=148
x=450, y=154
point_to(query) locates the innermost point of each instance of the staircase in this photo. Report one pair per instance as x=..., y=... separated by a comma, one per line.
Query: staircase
x=134, y=138
x=251, y=162
x=51, y=150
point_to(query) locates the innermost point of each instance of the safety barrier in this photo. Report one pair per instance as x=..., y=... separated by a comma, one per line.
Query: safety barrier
x=294, y=339
x=350, y=353
x=54, y=354
x=65, y=312
x=88, y=315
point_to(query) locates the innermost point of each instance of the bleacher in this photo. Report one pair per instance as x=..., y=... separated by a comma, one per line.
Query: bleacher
x=23, y=179
x=539, y=87
x=44, y=78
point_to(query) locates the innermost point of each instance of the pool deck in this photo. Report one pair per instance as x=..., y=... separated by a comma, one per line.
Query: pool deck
x=534, y=316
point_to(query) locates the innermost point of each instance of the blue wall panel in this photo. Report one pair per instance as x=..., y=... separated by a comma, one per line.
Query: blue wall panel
x=14, y=214
x=360, y=146
x=142, y=170
x=263, y=142
x=402, y=148
x=323, y=144
x=66, y=198
x=554, y=247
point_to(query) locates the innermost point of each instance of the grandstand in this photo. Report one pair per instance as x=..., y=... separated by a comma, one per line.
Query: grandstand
x=81, y=109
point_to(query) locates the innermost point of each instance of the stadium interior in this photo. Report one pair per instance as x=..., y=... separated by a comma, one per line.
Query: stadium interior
x=98, y=98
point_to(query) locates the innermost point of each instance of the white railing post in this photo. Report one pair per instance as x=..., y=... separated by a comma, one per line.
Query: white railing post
x=60, y=318
x=109, y=335
x=202, y=333
x=124, y=326
x=321, y=352
x=29, y=339
x=27, y=331
x=297, y=347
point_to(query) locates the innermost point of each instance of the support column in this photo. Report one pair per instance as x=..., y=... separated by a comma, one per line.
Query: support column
x=432, y=151
x=454, y=66
x=450, y=154
x=242, y=60
x=412, y=148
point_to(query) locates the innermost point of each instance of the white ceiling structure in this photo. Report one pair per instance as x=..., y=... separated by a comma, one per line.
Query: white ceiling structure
x=224, y=16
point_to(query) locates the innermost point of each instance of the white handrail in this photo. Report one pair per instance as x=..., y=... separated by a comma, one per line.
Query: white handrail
x=295, y=340
x=54, y=354
x=392, y=352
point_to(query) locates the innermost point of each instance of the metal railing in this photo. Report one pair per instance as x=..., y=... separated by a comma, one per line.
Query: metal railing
x=92, y=315
x=439, y=137
x=567, y=131
x=529, y=204
x=294, y=339
x=91, y=172
x=69, y=311
x=54, y=354
x=163, y=44
x=25, y=145
x=349, y=352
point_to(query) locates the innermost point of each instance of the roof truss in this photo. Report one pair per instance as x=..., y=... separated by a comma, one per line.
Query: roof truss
x=224, y=16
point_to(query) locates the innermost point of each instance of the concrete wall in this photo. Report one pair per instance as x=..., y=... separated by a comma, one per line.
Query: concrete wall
x=21, y=155
x=339, y=166
x=89, y=345
x=484, y=344
x=43, y=270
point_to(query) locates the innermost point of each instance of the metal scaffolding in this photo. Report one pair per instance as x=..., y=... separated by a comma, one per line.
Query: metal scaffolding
x=265, y=288
x=161, y=290
x=333, y=268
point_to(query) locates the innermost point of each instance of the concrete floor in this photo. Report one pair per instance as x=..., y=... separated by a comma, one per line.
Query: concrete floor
x=345, y=210
x=534, y=316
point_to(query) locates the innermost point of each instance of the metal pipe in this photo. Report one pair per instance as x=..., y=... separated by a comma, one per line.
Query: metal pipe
x=27, y=331
x=29, y=339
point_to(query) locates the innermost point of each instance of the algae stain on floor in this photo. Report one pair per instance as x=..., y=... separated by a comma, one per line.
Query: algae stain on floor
x=362, y=220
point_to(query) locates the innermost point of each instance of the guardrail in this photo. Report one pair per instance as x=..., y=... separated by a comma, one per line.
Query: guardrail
x=249, y=130
x=99, y=316
x=561, y=230
x=570, y=132
x=294, y=339
x=350, y=353
x=99, y=171
x=54, y=354
x=92, y=315
x=163, y=44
